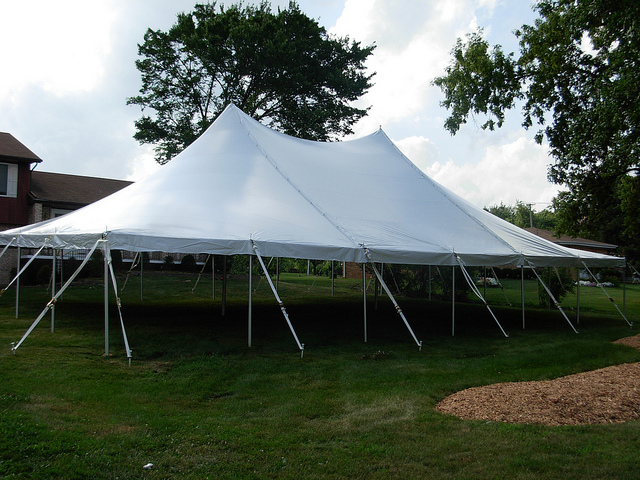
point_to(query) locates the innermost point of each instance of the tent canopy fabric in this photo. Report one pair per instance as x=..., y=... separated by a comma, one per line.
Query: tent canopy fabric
x=242, y=184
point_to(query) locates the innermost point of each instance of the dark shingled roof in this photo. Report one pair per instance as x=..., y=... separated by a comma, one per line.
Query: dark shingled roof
x=12, y=149
x=71, y=190
x=572, y=242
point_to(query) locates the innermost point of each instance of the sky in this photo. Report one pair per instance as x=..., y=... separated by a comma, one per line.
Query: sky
x=69, y=66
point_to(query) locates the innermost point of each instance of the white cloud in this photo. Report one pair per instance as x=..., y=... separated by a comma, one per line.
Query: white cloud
x=59, y=45
x=506, y=173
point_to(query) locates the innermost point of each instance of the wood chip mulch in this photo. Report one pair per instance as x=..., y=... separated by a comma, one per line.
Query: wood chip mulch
x=607, y=395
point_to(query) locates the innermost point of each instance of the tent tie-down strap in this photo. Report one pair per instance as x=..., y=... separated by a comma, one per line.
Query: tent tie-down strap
x=553, y=299
x=275, y=293
x=26, y=265
x=608, y=296
x=200, y=274
x=391, y=297
x=134, y=263
x=475, y=290
x=107, y=254
x=52, y=302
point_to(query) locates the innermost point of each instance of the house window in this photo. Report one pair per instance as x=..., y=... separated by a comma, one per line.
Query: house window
x=8, y=180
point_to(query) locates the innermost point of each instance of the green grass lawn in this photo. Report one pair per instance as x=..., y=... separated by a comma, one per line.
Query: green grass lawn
x=198, y=403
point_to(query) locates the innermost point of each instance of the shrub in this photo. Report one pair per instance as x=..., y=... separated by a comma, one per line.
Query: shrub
x=44, y=275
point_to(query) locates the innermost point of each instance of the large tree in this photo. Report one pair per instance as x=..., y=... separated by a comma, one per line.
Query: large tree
x=577, y=77
x=281, y=68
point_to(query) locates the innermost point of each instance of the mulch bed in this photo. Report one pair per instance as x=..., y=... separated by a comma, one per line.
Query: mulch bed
x=604, y=396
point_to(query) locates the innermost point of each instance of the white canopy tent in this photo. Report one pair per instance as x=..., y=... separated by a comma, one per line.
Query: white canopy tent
x=244, y=189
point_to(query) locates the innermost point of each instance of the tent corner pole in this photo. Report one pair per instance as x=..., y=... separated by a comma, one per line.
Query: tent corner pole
x=364, y=299
x=453, y=300
x=522, y=293
x=106, y=301
x=224, y=286
x=53, y=291
x=249, y=325
x=18, y=285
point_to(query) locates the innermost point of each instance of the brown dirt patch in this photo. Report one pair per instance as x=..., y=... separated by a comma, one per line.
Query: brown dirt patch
x=607, y=395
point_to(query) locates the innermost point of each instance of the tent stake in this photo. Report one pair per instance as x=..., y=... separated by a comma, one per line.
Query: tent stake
x=553, y=299
x=275, y=294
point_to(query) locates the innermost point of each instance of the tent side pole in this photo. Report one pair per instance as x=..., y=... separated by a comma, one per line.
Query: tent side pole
x=453, y=300
x=224, y=285
x=608, y=296
x=578, y=297
x=429, y=282
x=18, y=285
x=395, y=304
x=522, y=292
x=106, y=303
x=624, y=289
x=275, y=294
x=364, y=300
x=213, y=277
x=333, y=281
x=55, y=298
x=250, y=320
x=555, y=302
x=53, y=291
x=141, y=275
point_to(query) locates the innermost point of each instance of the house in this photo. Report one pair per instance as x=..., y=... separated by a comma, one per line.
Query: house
x=29, y=196
x=574, y=242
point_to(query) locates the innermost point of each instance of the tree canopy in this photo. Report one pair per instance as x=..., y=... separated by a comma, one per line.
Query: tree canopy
x=523, y=216
x=577, y=78
x=282, y=68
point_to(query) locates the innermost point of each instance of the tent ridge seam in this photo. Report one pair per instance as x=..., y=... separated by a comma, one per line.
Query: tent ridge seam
x=286, y=177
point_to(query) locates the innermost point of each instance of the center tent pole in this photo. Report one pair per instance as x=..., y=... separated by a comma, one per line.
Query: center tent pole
x=275, y=294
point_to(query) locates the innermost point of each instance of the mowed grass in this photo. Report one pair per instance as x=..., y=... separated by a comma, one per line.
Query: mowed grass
x=196, y=402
